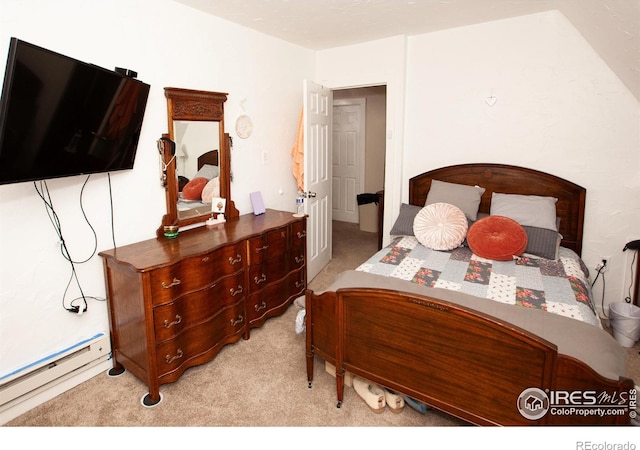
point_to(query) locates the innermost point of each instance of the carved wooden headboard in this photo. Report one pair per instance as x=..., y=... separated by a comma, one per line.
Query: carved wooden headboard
x=512, y=180
x=210, y=157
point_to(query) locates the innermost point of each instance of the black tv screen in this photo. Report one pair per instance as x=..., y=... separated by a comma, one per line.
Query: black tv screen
x=61, y=117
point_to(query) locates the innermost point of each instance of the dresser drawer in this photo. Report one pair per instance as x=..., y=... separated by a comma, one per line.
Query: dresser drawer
x=297, y=258
x=298, y=236
x=270, y=245
x=194, y=308
x=266, y=273
x=261, y=303
x=297, y=283
x=194, y=273
x=210, y=336
x=269, y=300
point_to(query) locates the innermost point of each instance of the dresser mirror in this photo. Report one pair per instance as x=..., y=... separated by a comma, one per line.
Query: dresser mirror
x=202, y=150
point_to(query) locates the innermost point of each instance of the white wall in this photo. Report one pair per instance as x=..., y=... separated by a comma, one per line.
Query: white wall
x=379, y=62
x=559, y=109
x=168, y=44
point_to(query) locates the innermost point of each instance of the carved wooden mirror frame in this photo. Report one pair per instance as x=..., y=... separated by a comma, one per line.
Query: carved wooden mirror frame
x=197, y=106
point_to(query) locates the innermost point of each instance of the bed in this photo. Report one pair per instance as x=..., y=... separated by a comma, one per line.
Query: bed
x=194, y=195
x=404, y=321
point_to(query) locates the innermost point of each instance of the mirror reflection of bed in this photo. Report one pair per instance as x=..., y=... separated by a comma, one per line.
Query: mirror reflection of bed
x=208, y=168
x=193, y=150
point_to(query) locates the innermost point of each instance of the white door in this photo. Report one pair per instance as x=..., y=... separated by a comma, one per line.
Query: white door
x=347, y=157
x=317, y=175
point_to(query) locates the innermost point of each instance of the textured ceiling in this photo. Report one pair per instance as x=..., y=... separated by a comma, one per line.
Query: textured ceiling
x=612, y=27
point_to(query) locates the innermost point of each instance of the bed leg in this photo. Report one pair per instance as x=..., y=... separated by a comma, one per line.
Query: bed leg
x=310, y=369
x=309, y=338
x=340, y=386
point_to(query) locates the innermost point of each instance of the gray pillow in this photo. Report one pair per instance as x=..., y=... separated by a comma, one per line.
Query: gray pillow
x=527, y=210
x=465, y=197
x=404, y=223
x=542, y=242
x=208, y=171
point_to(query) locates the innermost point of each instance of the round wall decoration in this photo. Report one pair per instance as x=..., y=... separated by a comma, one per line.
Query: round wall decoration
x=244, y=126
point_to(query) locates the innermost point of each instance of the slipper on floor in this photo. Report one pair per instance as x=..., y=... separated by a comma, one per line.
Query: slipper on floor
x=372, y=394
x=394, y=401
x=417, y=405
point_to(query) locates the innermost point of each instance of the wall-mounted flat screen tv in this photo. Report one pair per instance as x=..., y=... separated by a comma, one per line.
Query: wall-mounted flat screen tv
x=61, y=117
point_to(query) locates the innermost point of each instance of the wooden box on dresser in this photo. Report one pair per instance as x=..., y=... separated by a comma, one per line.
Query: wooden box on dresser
x=174, y=303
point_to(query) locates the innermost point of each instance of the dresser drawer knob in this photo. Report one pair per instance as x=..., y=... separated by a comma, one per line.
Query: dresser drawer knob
x=302, y=234
x=175, y=282
x=168, y=324
x=235, y=260
x=259, y=249
x=169, y=359
x=299, y=259
x=205, y=259
x=261, y=279
x=299, y=284
x=262, y=305
x=235, y=292
x=240, y=319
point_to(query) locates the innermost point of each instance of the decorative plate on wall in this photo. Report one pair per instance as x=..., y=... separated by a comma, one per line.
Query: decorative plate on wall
x=244, y=126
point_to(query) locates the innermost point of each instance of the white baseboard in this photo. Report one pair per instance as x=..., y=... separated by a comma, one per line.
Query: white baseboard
x=20, y=406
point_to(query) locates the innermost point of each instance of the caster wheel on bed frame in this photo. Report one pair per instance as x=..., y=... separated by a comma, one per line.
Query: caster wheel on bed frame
x=339, y=405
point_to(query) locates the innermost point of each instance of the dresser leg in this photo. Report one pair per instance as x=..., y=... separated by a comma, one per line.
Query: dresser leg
x=149, y=401
x=116, y=370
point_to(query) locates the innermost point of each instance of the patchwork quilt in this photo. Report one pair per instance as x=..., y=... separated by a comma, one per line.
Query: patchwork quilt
x=558, y=286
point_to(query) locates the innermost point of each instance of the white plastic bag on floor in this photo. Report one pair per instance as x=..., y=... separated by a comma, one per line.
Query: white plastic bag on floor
x=300, y=321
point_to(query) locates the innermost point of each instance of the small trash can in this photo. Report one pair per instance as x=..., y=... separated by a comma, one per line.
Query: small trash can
x=625, y=321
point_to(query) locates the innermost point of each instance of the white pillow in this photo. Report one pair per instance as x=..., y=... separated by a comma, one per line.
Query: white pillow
x=527, y=210
x=211, y=190
x=440, y=226
x=208, y=171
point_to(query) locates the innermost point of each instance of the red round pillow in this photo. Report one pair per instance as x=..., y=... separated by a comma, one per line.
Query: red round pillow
x=193, y=189
x=497, y=237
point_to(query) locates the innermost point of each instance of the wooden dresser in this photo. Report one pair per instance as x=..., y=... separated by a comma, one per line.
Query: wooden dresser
x=174, y=303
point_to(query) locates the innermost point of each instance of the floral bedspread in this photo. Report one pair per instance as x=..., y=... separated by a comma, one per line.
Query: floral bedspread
x=558, y=286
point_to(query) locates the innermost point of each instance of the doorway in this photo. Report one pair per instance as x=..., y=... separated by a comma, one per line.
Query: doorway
x=356, y=171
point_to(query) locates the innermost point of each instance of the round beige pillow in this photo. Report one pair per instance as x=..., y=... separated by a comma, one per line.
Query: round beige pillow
x=440, y=226
x=211, y=190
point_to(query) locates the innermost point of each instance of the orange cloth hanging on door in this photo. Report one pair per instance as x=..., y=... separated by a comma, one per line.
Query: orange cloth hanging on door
x=298, y=154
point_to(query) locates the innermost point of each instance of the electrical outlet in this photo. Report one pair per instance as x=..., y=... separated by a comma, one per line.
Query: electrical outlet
x=603, y=264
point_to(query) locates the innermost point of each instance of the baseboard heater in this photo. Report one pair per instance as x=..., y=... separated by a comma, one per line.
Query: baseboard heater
x=33, y=378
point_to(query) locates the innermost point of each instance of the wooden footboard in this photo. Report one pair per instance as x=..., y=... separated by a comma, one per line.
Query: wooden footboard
x=475, y=367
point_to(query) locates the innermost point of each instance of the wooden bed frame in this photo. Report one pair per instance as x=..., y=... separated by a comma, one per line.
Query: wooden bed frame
x=211, y=157
x=453, y=358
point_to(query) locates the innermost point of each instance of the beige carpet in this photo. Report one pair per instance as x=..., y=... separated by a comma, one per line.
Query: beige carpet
x=256, y=383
